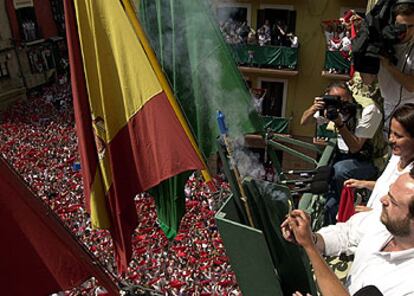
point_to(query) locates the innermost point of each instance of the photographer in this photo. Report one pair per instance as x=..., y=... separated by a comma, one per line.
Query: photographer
x=356, y=127
x=397, y=81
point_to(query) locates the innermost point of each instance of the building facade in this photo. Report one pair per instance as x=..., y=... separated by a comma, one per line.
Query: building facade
x=32, y=46
x=295, y=88
x=292, y=91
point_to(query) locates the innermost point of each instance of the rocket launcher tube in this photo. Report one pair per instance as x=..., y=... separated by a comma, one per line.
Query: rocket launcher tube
x=223, y=131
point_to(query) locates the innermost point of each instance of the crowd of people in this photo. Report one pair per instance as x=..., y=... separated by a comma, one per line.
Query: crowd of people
x=338, y=35
x=38, y=138
x=239, y=32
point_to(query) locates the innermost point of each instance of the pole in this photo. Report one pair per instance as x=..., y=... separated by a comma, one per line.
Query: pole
x=229, y=148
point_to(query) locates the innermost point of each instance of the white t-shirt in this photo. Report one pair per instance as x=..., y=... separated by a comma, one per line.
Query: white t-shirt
x=388, y=177
x=346, y=44
x=390, y=88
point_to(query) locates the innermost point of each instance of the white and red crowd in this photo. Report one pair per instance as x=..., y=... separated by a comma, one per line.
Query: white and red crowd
x=37, y=136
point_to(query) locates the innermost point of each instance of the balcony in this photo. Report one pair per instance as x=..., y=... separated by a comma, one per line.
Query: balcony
x=337, y=66
x=278, y=60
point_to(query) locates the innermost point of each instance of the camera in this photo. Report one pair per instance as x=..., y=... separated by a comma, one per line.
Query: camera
x=332, y=106
x=377, y=36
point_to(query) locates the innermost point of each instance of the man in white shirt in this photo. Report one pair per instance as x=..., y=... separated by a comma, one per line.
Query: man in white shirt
x=382, y=241
x=355, y=148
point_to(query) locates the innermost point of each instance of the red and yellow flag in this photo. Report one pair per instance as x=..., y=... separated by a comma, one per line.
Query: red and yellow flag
x=131, y=134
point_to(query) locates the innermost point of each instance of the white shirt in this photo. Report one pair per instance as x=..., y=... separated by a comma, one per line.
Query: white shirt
x=294, y=42
x=367, y=125
x=388, y=176
x=365, y=236
x=328, y=37
x=346, y=43
x=390, y=88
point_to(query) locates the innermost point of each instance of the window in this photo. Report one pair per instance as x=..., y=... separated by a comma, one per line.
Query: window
x=274, y=100
x=4, y=70
x=58, y=15
x=237, y=12
x=40, y=59
x=279, y=21
x=29, y=29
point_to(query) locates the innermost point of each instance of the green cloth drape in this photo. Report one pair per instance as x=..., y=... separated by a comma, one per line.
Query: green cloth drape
x=335, y=60
x=199, y=64
x=266, y=56
x=170, y=203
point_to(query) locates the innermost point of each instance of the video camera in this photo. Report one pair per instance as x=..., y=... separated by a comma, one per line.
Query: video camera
x=377, y=36
x=334, y=105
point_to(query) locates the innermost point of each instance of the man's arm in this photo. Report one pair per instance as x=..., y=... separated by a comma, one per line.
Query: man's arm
x=307, y=116
x=353, y=142
x=328, y=282
x=406, y=80
x=297, y=226
x=366, y=129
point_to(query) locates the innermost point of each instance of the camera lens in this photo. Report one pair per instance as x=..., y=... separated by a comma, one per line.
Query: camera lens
x=332, y=113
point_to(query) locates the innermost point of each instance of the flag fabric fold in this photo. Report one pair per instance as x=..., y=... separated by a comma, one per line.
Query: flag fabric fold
x=139, y=139
x=38, y=255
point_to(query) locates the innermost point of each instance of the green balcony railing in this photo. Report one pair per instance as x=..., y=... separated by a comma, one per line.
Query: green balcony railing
x=276, y=57
x=336, y=62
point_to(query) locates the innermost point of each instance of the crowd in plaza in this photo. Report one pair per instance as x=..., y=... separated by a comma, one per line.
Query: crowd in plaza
x=38, y=138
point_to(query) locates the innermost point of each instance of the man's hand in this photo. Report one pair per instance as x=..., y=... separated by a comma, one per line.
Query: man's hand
x=354, y=183
x=296, y=228
x=360, y=184
x=338, y=121
x=318, y=104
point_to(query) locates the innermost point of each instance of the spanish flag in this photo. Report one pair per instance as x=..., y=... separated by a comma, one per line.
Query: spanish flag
x=132, y=135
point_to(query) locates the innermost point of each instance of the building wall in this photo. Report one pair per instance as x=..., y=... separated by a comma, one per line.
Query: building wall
x=13, y=87
x=17, y=51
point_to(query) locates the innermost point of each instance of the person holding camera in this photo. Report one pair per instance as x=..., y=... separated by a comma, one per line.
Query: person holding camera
x=396, y=81
x=356, y=127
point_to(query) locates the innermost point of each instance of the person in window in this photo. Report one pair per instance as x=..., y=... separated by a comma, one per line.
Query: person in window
x=294, y=41
x=279, y=34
